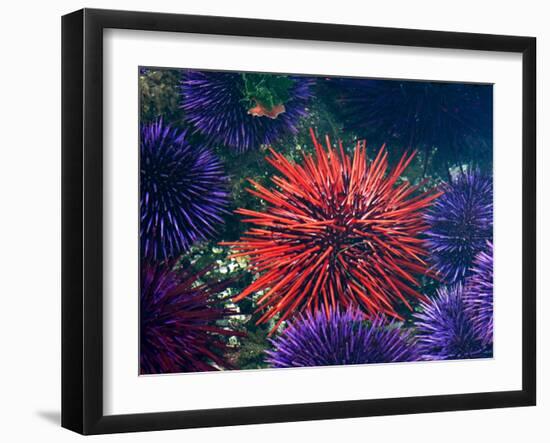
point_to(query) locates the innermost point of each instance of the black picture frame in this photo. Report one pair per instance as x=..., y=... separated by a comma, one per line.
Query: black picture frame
x=82, y=217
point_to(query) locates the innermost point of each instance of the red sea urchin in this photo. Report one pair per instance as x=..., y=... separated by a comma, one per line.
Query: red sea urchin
x=338, y=231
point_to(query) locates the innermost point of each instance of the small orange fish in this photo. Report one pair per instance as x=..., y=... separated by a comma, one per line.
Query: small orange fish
x=262, y=111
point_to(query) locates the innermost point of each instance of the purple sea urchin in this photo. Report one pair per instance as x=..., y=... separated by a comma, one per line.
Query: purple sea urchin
x=182, y=192
x=479, y=294
x=445, y=330
x=461, y=222
x=453, y=117
x=214, y=102
x=178, y=331
x=341, y=338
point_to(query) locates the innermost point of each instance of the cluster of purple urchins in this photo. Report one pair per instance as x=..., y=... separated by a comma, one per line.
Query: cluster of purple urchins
x=213, y=103
x=478, y=298
x=419, y=114
x=340, y=338
x=183, y=192
x=177, y=317
x=447, y=330
x=460, y=224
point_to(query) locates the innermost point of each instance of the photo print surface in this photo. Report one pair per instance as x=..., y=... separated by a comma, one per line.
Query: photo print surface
x=303, y=221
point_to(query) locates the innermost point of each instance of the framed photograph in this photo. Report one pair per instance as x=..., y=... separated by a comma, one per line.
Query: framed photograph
x=271, y=221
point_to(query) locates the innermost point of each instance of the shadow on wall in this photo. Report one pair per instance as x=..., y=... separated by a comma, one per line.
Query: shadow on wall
x=53, y=417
